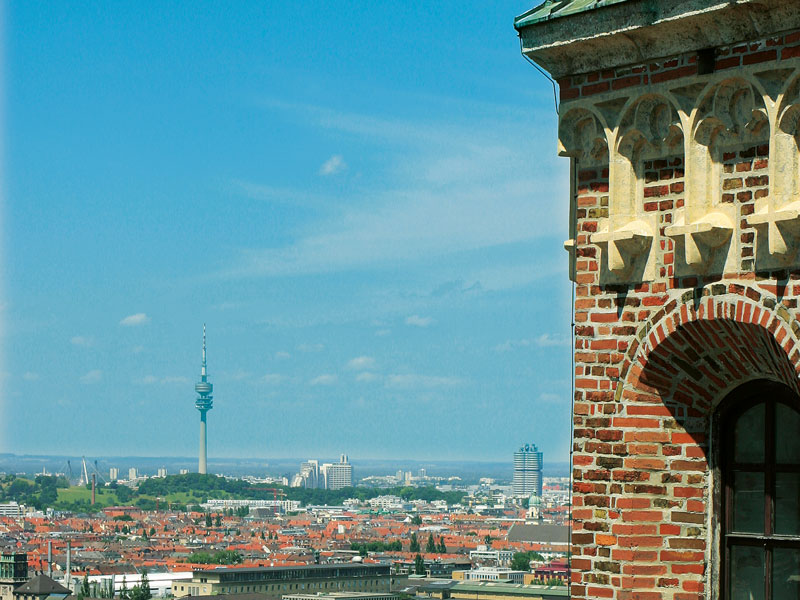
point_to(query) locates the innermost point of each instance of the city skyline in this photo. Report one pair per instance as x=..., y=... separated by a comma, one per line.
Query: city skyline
x=367, y=233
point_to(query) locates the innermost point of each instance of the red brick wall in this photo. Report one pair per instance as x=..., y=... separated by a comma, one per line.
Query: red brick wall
x=652, y=359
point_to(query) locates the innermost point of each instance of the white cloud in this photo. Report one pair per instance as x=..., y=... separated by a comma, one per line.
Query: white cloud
x=311, y=347
x=455, y=187
x=165, y=380
x=366, y=377
x=546, y=340
x=93, y=376
x=273, y=378
x=421, y=381
x=324, y=380
x=335, y=164
x=30, y=376
x=549, y=398
x=135, y=320
x=82, y=340
x=418, y=321
x=282, y=355
x=361, y=363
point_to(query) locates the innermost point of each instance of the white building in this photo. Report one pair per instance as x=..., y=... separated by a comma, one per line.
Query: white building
x=132, y=474
x=281, y=505
x=162, y=472
x=494, y=574
x=11, y=509
x=337, y=475
x=113, y=473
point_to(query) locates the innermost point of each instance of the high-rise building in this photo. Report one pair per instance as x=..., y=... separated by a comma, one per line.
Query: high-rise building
x=132, y=473
x=113, y=473
x=337, y=475
x=162, y=472
x=527, y=471
x=204, y=403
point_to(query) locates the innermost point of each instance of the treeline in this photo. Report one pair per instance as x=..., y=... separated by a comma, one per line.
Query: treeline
x=39, y=493
x=366, y=547
x=194, y=488
x=213, y=486
x=222, y=557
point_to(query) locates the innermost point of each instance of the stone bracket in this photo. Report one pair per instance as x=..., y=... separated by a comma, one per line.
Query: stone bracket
x=783, y=228
x=625, y=247
x=702, y=237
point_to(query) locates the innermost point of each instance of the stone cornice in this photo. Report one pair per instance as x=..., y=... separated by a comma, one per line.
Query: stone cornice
x=638, y=31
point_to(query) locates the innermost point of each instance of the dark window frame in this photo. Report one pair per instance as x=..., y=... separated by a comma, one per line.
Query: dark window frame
x=730, y=409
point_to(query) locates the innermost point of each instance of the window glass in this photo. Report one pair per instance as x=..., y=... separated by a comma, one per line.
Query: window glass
x=786, y=573
x=748, y=502
x=787, y=503
x=787, y=435
x=747, y=573
x=749, y=436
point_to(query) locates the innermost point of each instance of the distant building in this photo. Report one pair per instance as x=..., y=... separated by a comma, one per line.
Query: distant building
x=491, y=574
x=162, y=472
x=183, y=471
x=113, y=473
x=13, y=573
x=10, y=509
x=527, y=471
x=41, y=587
x=271, y=583
x=342, y=596
x=338, y=475
x=133, y=473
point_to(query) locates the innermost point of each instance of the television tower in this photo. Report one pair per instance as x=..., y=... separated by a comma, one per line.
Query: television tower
x=204, y=403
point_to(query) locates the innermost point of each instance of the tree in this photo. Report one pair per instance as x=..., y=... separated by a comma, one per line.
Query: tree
x=430, y=546
x=419, y=565
x=417, y=520
x=142, y=591
x=414, y=546
x=124, y=593
x=208, y=520
x=442, y=548
x=152, y=531
x=84, y=590
x=521, y=561
x=218, y=522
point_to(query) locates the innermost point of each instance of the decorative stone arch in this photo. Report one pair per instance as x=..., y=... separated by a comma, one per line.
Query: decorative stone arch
x=582, y=137
x=649, y=128
x=779, y=214
x=694, y=351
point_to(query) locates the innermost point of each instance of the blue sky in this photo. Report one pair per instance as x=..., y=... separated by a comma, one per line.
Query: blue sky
x=362, y=201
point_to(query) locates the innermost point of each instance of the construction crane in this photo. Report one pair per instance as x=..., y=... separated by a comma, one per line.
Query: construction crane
x=275, y=493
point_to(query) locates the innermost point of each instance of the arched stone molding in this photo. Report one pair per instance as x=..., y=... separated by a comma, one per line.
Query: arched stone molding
x=778, y=216
x=750, y=334
x=650, y=128
x=730, y=116
x=583, y=138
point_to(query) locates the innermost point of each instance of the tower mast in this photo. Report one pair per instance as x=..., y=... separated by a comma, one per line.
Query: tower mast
x=204, y=403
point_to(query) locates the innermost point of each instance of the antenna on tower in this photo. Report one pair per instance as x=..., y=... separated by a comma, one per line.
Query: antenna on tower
x=203, y=369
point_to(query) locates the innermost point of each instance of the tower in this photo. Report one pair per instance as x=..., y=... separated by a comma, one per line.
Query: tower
x=527, y=471
x=204, y=403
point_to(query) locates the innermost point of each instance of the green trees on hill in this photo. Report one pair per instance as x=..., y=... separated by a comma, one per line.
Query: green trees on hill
x=221, y=557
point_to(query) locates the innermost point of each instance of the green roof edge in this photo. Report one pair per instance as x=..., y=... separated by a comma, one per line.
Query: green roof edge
x=553, y=9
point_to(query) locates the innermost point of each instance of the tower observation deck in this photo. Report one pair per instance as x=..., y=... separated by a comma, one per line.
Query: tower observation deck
x=204, y=403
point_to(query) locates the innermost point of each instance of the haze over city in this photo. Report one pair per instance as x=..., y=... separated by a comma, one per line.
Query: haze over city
x=363, y=205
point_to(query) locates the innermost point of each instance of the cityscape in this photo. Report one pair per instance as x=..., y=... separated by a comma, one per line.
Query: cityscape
x=473, y=300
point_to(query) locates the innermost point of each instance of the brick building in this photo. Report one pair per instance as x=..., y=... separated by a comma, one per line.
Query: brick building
x=680, y=120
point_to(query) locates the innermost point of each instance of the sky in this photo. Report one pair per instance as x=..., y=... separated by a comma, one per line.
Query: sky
x=361, y=200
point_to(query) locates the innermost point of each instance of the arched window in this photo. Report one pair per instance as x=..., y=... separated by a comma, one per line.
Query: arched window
x=760, y=467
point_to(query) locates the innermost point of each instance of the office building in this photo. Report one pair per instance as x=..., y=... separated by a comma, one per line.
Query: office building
x=272, y=583
x=527, y=471
x=113, y=474
x=337, y=475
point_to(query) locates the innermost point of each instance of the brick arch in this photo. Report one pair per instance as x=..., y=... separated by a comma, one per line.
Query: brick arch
x=694, y=351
